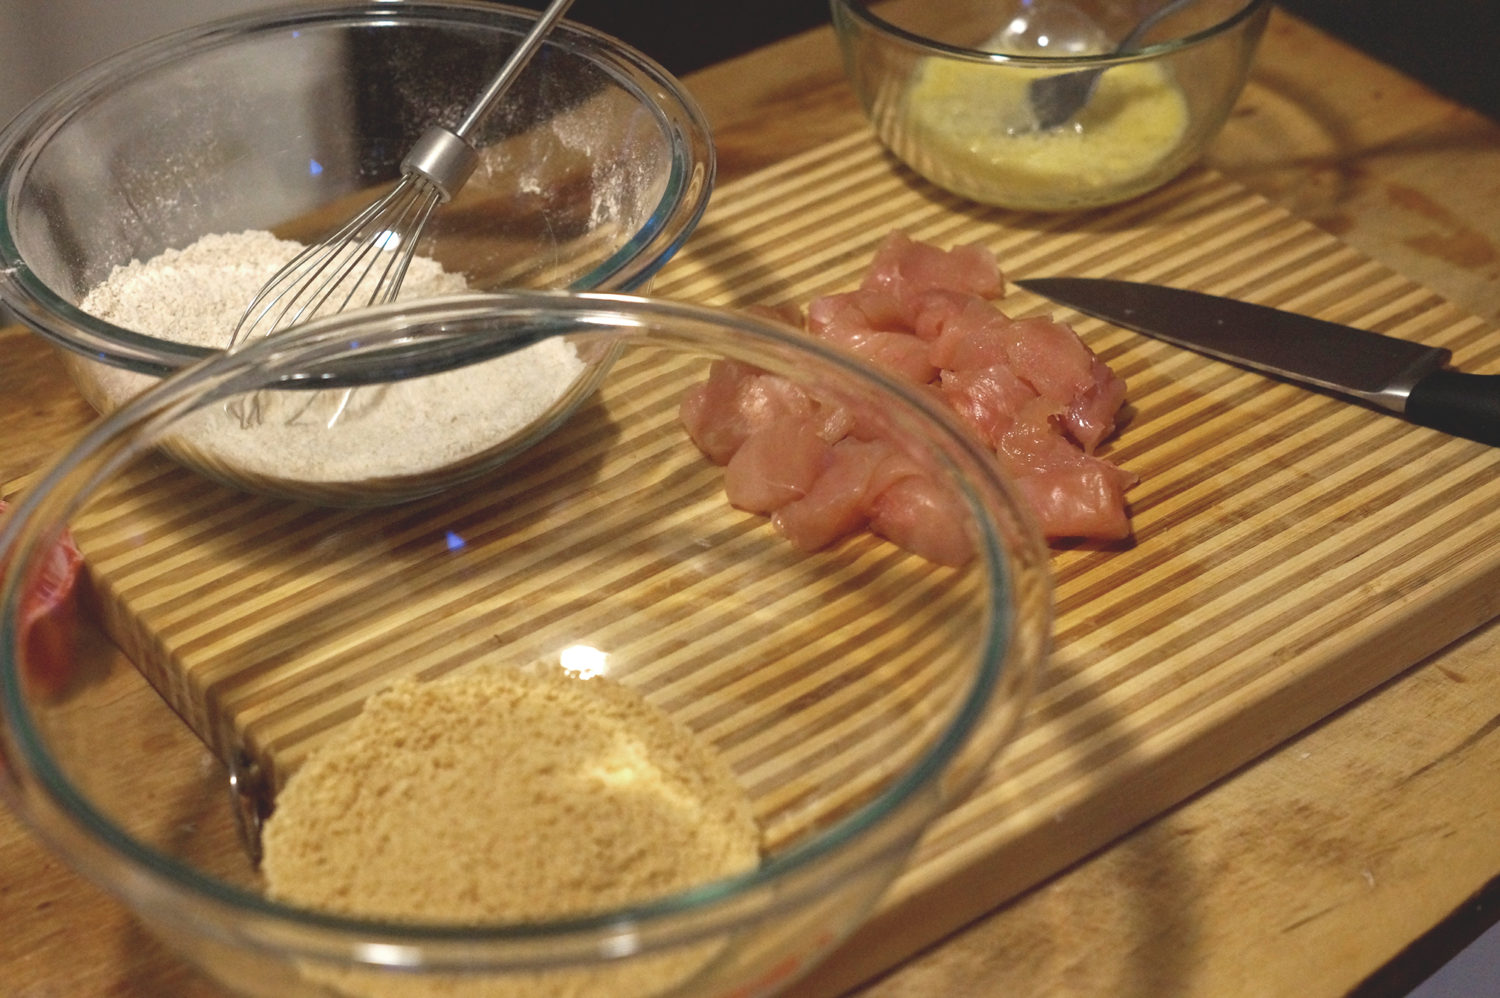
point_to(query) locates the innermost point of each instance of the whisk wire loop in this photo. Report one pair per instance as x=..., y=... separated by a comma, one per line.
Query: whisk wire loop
x=382, y=239
x=369, y=255
x=436, y=166
x=377, y=243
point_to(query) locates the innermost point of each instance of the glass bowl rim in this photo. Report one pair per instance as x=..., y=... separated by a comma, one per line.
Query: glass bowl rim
x=685, y=195
x=859, y=11
x=314, y=343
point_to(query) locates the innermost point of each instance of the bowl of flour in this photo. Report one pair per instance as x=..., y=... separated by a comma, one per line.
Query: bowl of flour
x=387, y=442
x=146, y=199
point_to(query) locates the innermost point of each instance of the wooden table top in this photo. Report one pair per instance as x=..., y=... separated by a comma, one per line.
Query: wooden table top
x=1304, y=873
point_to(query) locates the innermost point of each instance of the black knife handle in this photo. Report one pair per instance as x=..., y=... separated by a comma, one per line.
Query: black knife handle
x=1464, y=405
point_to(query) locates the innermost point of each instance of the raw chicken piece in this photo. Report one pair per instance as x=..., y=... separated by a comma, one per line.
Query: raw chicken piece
x=837, y=504
x=906, y=270
x=935, y=309
x=1091, y=416
x=972, y=334
x=899, y=354
x=1081, y=500
x=49, y=618
x=991, y=400
x=1050, y=356
x=867, y=322
x=776, y=464
x=1070, y=493
x=1044, y=353
x=1046, y=356
x=920, y=516
x=863, y=309
x=736, y=400
x=871, y=484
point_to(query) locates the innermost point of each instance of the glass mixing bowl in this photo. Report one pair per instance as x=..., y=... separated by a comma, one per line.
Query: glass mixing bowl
x=951, y=88
x=213, y=639
x=594, y=169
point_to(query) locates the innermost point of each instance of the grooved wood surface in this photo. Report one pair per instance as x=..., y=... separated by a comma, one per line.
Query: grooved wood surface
x=1291, y=551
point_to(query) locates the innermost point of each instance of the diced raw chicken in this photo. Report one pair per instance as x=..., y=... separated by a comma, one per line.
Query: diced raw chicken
x=1051, y=358
x=991, y=400
x=1029, y=388
x=837, y=504
x=863, y=309
x=972, y=334
x=733, y=402
x=1044, y=353
x=776, y=464
x=1070, y=493
x=1091, y=416
x=1045, y=356
x=922, y=517
x=867, y=322
x=906, y=270
x=935, y=309
x=1080, y=500
x=898, y=354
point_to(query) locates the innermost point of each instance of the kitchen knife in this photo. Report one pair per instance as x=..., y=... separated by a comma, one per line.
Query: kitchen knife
x=1396, y=375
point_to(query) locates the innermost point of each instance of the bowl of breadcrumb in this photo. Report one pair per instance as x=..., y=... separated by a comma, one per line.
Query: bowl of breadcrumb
x=147, y=199
x=595, y=724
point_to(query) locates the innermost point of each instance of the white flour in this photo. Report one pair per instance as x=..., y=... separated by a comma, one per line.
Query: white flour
x=196, y=295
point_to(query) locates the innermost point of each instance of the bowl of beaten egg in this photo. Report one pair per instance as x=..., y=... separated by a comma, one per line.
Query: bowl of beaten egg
x=954, y=89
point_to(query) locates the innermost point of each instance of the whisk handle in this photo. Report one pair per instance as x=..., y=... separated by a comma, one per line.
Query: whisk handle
x=444, y=159
x=513, y=66
x=443, y=156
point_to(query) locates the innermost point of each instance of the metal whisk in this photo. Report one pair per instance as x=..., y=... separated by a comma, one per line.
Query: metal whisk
x=367, y=258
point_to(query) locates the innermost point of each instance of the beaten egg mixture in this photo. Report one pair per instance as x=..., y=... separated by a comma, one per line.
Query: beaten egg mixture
x=973, y=124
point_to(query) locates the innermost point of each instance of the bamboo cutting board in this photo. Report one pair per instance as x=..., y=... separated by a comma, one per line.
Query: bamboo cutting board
x=1290, y=553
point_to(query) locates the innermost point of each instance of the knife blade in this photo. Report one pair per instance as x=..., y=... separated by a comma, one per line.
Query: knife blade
x=1398, y=376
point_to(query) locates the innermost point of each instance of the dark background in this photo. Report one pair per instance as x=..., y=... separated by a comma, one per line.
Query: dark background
x=1447, y=44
